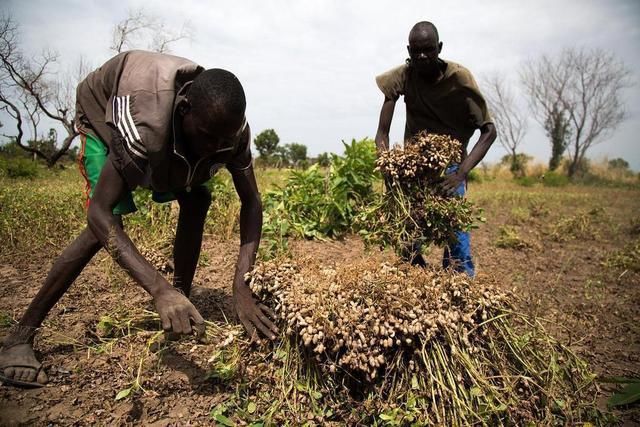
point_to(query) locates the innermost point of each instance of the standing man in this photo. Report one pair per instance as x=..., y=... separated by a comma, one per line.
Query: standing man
x=441, y=97
x=160, y=122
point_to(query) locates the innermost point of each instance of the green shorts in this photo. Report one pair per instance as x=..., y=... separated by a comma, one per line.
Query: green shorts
x=93, y=155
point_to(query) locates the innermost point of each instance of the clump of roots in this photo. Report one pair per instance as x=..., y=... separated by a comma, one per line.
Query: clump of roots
x=414, y=211
x=437, y=340
x=423, y=160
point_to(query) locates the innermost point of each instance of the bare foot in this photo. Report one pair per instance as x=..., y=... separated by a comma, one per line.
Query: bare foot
x=19, y=366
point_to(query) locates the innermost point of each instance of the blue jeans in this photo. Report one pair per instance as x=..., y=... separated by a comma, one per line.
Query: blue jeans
x=458, y=254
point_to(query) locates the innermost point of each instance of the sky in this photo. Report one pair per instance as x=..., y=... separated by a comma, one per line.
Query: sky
x=308, y=67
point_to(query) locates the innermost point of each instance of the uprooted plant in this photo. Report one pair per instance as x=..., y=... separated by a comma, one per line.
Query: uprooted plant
x=413, y=209
x=424, y=346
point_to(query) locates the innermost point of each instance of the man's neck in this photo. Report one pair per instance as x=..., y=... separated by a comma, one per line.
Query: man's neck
x=180, y=140
x=436, y=77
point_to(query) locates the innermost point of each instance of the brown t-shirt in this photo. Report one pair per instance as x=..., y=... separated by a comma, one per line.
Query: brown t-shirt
x=130, y=102
x=453, y=105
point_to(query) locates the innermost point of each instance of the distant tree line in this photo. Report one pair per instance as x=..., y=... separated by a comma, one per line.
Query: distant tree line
x=294, y=154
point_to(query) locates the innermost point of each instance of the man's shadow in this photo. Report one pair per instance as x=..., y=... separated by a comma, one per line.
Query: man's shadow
x=214, y=305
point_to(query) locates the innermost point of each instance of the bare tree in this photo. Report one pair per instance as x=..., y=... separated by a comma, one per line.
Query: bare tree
x=583, y=88
x=139, y=27
x=545, y=85
x=28, y=92
x=509, y=118
x=163, y=37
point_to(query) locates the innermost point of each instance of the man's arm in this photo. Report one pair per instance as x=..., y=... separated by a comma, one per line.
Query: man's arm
x=384, y=124
x=175, y=310
x=251, y=314
x=487, y=136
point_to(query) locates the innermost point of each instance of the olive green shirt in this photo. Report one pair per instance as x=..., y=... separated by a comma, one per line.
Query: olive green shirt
x=453, y=105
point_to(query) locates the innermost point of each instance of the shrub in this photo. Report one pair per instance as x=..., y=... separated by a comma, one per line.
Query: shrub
x=582, y=225
x=526, y=181
x=627, y=258
x=517, y=165
x=474, y=176
x=18, y=167
x=509, y=239
x=317, y=204
x=555, y=179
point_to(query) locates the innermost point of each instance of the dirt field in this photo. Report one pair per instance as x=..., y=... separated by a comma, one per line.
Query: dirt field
x=558, y=254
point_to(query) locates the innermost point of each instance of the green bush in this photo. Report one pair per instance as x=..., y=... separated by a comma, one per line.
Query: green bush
x=554, y=179
x=54, y=208
x=526, y=181
x=17, y=167
x=314, y=203
x=474, y=176
x=153, y=223
x=518, y=165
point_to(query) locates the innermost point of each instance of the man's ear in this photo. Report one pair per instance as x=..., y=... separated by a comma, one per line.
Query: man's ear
x=439, y=47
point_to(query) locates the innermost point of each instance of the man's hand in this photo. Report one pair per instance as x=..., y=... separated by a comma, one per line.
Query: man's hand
x=451, y=182
x=252, y=315
x=177, y=313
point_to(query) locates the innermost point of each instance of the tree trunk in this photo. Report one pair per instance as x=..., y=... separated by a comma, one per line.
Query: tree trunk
x=65, y=147
x=573, y=166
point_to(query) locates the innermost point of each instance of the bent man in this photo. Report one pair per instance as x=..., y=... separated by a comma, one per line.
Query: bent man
x=440, y=97
x=164, y=123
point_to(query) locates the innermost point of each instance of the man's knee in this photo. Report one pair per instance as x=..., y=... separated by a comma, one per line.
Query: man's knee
x=88, y=240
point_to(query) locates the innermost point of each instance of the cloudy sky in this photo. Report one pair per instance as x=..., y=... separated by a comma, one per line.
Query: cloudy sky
x=308, y=67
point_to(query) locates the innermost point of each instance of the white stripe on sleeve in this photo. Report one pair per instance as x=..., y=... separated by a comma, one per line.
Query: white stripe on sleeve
x=126, y=133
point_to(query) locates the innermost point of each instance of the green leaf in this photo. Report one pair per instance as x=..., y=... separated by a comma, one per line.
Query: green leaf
x=501, y=408
x=251, y=407
x=476, y=391
x=218, y=410
x=414, y=383
x=386, y=417
x=123, y=393
x=224, y=420
x=411, y=402
x=628, y=395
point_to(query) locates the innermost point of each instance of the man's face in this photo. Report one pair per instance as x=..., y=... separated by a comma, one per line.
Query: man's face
x=424, y=49
x=204, y=139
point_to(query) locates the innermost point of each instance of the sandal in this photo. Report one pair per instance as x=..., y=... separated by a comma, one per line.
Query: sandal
x=20, y=335
x=27, y=384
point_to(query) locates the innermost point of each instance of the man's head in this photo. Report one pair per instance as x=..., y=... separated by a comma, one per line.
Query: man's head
x=214, y=115
x=424, y=48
